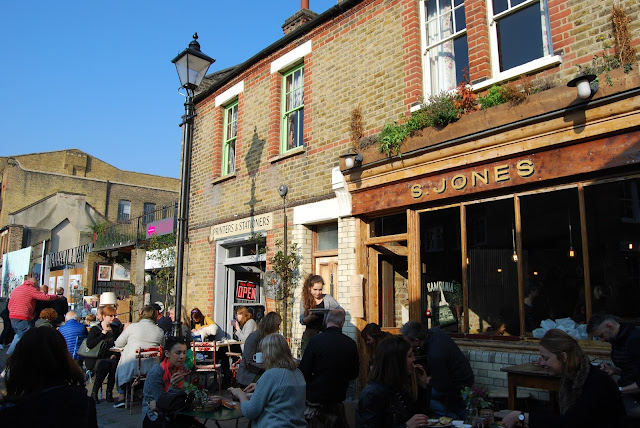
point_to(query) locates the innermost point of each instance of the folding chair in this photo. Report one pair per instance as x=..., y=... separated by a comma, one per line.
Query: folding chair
x=141, y=354
x=206, y=365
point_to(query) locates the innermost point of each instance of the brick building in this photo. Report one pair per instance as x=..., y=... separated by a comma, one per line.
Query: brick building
x=56, y=197
x=540, y=192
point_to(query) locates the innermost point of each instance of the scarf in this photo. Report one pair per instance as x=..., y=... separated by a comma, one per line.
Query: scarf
x=571, y=388
x=166, y=375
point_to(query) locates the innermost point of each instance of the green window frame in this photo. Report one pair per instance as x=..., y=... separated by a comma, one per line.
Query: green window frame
x=292, y=109
x=229, y=138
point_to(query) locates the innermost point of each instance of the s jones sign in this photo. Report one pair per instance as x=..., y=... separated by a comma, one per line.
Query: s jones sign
x=246, y=290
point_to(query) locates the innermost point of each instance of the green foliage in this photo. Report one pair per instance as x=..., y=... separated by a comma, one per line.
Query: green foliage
x=493, y=97
x=391, y=137
x=162, y=249
x=281, y=284
x=475, y=398
x=441, y=110
x=602, y=64
x=418, y=121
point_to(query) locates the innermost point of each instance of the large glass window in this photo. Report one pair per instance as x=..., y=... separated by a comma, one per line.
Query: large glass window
x=124, y=210
x=520, y=31
x=614, y=247
x=446, y=52
x=441, y=274
x=230, y=134
x=552, y=257
x=292, y=108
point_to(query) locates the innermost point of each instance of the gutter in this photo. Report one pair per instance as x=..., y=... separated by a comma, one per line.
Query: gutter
x=336, y=10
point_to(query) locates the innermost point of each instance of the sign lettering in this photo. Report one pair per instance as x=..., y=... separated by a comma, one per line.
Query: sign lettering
x=246, y=290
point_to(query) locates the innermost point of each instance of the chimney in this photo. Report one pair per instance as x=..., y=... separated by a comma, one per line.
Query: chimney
x=299, y=18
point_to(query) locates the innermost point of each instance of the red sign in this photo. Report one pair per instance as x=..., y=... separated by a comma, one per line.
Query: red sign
x=246, y=290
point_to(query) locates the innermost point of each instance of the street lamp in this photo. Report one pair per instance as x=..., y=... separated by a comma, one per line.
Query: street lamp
x=191, y=65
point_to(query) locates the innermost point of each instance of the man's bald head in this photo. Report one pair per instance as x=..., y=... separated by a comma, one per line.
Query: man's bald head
x=71, y=315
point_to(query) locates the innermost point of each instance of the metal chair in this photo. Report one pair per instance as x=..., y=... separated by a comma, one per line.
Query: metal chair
x=141, y=354
x=205, y=366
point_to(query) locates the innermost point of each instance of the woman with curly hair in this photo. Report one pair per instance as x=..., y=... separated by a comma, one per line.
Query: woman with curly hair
x=243, y=325
x=48, y=318
x=45, y=394
x=314, y=298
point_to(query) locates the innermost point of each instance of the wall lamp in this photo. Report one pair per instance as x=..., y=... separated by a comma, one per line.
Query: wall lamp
x=583, y=83
x=353, y=158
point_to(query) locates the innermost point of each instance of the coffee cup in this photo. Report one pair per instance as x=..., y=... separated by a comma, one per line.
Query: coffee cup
x=258, y=357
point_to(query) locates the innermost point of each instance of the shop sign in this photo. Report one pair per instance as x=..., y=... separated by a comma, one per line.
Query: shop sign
x=246, y=290
x=160, y=227
x=247, y=225
x=69, y=257
x=447, y=286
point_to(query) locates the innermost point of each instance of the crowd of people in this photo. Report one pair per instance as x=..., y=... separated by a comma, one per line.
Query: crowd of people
x=408, y=378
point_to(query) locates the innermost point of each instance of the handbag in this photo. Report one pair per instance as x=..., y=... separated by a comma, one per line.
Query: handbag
x=171, y=401
x=95, y=352
x=445, y=314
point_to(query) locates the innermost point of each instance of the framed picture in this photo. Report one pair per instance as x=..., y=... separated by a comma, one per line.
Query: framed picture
x=121, y=272
x=104, y=273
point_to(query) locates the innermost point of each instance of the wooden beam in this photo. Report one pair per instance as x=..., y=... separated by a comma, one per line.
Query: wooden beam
x=465, y=266
x=413, y=263
x=398, y=250
x=388, y=238
x=518, y=225
x=585, y=251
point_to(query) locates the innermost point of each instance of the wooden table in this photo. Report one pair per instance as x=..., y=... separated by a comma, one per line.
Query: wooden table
x=531, y=376
x=220, y=414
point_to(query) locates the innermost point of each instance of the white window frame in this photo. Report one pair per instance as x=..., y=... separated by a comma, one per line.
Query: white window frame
x=493, y=41
x=227, y=166
x=426, y=47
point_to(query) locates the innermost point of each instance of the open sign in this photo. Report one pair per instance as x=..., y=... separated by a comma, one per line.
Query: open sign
x=246, y=290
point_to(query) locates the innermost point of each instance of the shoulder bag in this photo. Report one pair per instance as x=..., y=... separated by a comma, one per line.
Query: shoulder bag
x=95, y=352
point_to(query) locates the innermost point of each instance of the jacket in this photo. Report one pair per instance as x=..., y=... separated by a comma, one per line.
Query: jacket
x=380, y=407
x=142, y=334
x=74, y=333
x=22, y=304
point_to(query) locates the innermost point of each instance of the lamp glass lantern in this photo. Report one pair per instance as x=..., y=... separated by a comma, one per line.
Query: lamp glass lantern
x=352, y=158
x=192, y=65
x=583, y=84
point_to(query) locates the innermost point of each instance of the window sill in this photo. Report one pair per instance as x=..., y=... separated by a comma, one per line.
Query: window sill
x=292, y=152
x=219, y=180
x=529, y=67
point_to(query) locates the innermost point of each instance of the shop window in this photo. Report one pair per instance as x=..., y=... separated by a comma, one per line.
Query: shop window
x=245, y=249
x=614, y=241
x=230, y=135
x=394, y=290
x=445, y=39
x=327, y=237
x=389, y=225
x=630, y=203
x=519, y=31
x=124, y=210
x=441, y=268
x=492, y=272
x=292, y=109
x=552, y=257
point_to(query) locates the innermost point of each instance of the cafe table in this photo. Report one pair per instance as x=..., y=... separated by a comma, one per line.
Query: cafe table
x=220, y=414
x=530, y=375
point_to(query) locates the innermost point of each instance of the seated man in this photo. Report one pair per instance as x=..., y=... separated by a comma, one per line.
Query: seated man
x=449, y=369
x=73, y=331
x=625, y=354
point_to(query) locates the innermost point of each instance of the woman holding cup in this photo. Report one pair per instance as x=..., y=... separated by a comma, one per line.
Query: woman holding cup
x=243, y=325
x=251, y=366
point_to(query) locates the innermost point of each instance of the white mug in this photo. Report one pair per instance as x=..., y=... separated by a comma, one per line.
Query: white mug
x=258, y=357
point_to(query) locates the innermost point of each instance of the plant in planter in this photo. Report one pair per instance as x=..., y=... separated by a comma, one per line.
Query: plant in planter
x=282, y=280
x=391, y=137
x=475, y=398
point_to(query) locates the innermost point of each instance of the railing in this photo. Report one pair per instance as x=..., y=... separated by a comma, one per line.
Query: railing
x=132, y=231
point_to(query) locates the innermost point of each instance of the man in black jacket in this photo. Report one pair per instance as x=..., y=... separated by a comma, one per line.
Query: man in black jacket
x=329, y=362
x=625, y=354
x=449, y=369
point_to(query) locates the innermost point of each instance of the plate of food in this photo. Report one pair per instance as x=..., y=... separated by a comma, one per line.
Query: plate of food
x=443, y=421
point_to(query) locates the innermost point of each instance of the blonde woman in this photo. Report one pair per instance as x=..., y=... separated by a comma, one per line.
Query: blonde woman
x=278, y=398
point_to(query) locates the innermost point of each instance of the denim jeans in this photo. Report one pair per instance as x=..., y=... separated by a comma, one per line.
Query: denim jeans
x=20, y=327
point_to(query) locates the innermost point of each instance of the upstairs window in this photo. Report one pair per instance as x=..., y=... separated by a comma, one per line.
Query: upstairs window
x=292, y=109
x=519, y=32
x=446, y=53
x=124, y=210
x=230, y=134
x=149, y=212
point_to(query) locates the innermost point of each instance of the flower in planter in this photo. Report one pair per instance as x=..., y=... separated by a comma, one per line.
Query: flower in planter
x=475, y=397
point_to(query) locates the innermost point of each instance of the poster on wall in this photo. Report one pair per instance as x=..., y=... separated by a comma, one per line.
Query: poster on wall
x=15, y=265
x=59, y=284
x=75, y=282
x=52, y=282
x=104, y=273
x=121, y=272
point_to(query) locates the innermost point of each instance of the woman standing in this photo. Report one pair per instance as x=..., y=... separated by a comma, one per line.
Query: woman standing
x=248, y=369
x=105, y=366
x=587, y=395
x=142, y=334
x=314, y=298
x=170, y=373
x=279, y=396
x=243, y=325
x=387, y=401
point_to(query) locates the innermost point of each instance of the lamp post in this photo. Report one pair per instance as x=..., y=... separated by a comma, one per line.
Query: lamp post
x=191, y=65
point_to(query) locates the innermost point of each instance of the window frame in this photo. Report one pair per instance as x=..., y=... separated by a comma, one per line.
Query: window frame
x=426, y=47
x=285, y=113
x=493, y=38
x=121, y=219
x=226, y=142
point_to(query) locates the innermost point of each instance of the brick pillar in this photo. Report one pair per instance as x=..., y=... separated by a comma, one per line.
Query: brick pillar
x=346, y=268
x=137, y=279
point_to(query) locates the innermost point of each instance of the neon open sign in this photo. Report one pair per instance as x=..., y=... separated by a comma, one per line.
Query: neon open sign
x=246, y=290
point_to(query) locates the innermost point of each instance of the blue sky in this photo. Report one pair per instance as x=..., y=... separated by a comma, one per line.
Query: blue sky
x=97, y=75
